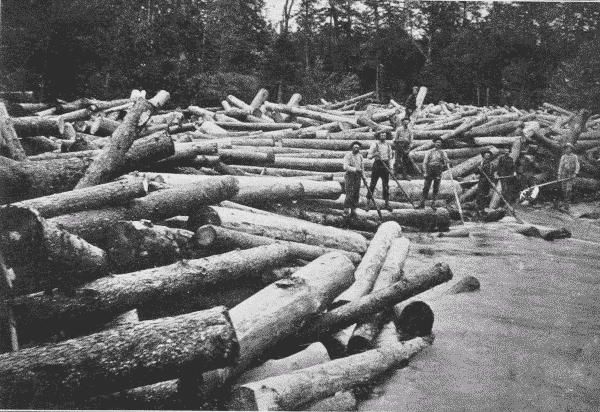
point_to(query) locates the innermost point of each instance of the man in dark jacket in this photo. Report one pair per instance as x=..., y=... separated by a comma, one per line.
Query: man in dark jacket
x=484, y=186
x=411, y=102
x=506, y=172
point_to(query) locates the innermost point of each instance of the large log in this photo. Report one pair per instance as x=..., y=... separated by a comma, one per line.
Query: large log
x=468, y=166
x=320, y=144
x=10, y=145
x=350, y=101
x=221, y=238
x=134, y=245
x=126, y=357
x=258, y=126
x=578, y=124
x=283, y=228
x=268, y=171
x=495, y=130
x=311, y=114
x=100, y=301
x=391, y=271
x=279, y=310
x=246, y=157
x=113, y=193
x=63, y=259
x=460, y=130
x=290, y=391
x=319, y=165
x=414, y=188
x=35, y=145
x=367, y=271
x=466, y=152
x=38, y=126
x=112, y=159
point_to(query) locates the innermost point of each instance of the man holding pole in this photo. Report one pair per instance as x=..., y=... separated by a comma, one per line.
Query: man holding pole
x=568, y=169
x=484, y=186
x=402, y=141
x=381, y=151
x=505, y=173
x=436, y=160
x=354, y=168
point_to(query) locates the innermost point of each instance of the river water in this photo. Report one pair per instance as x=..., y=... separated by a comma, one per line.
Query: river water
x=528, y=341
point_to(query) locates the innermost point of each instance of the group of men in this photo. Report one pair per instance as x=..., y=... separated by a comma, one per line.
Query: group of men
x=394, y=158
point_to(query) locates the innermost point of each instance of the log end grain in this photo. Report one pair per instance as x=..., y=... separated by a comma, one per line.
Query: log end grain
x=415, y=320
x=466, y=284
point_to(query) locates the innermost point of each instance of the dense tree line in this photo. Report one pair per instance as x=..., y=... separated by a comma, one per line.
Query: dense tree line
x=200, y=50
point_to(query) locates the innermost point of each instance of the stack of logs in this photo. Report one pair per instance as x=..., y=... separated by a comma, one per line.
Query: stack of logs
x=165, y=259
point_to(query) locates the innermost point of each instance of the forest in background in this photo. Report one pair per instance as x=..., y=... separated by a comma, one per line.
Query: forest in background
x=519, y=53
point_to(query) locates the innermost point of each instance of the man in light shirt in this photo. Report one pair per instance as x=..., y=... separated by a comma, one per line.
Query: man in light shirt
x=354, y=168
x=381, y=151
x=402, y=141
x=436, y=160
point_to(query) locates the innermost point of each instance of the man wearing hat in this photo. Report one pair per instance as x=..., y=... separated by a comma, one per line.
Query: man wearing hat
x=484, y=186
x=411, y=102
x=381, y=151
x=505, y=173
x=568, y=169
x=402, y=141
x=436, y=160
x=354, y=167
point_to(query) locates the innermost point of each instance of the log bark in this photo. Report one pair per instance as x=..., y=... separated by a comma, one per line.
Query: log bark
x=66, y=259
x=290, y=391
x=496, y=130
x=311, y=114
x=280, y=309
x=268, y=171
x=365, y=333
x=414, y=188
x=100, y=301
x=460, y=130
x=119, y=359
x=140, y=245
x=341, y=401
x=466, y=152
x=319, y=144
x=413, y=320
x=283, y=228
x=222, y=239
x=246, y=157
x=38, y=126
x=113, y=193
x=10, y=145
x=467, y=167
x=258, y=126
x=35, y=145
x=103, y=126
x=577, y=126
x=112, y=159
x=319, y=165
x=293, y=102
x=367, y=271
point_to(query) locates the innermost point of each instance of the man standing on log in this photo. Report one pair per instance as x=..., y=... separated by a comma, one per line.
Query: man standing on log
x=436, y=160
x=402, y=141
x=381, y=151
x=568, y=169
x=411, y=102
x=354, y=167
x=484, y=186
x=506, y=172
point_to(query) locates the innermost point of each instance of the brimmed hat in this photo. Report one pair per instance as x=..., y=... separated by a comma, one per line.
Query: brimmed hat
x=568, y=145
x=436, y=139
x=487, y=151
x=405, y=119
x=356, y=142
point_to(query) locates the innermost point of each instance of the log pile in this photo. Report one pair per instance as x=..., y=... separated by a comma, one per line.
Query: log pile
x=177, y=258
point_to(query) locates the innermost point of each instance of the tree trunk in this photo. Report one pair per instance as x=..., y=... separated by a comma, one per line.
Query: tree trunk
x=558, y=109
x=283, y=228
x=365, y=332
x=258, y=126
x=311, y=114
x=357, y=99
x=268, y=171
x=189, y=151
x=38, y=144
x=223, y=239
x=496, y=130
x=466, y=152
x=280, y=309
x=515, y=152
x=459, y=131
x=367, y=271
x=142, y=245
x=10, y=145
x=103, y=126
x=577, y=127
x=341, y=401
x=319, y=165
x=113, y=193
x=38, y=126
x=414, y=188
x=290, y=391
x=319, y=144
x=100, y=301
x=246, y=157
x=127, y=357
x=113, y=158
x=329, y=217
x=66, y=259
x=293, y=102
x=467, y=167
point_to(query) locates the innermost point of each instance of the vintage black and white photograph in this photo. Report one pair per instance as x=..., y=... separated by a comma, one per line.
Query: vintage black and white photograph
x=314, y=205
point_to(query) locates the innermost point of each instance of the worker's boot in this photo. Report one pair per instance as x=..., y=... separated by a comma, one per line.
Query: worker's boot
x=433, y=202
x=353, y=212
x=346, y=212
x=387, y=206
x=421, y=204
x=367, y=207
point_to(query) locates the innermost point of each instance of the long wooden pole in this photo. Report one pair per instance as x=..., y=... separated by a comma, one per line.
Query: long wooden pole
x=372, y=198
x=510, y=208
x=462, y=219
x=398, y=183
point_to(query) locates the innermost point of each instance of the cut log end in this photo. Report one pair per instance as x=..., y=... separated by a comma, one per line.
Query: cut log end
x=206, y=235
x=22, y=234
x=415, y=320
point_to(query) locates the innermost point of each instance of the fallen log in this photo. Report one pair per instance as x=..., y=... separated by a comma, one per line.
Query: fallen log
x=357, y=99
x=103, y=126
x=341, y=401
x=578, y=124
x=50, y=376
x=35, y=145
x=10, y=145
x=414, y=188
x=258, y=126
x=413, y=320
x=466, y=152
x=269, y=171
x=318, y=144
x=38, y=126
x=311, y=114
x=365, y=333
x=495, y=130
x=319, y=165
x=282, y=228
x=290, y=391
x=223, y=239
x=113, y=193
x=62, y=259
x=100, y=301
x=246, y=157
x=112, y=159
x=467, y=167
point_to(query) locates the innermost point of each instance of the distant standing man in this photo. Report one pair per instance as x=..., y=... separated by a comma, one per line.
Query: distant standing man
x=402, y=141
x=354, y=167
x=411, y=102
x=484, y=186
x=381, y=151
x=568, y=169
x=506, y=172
x=434, y=164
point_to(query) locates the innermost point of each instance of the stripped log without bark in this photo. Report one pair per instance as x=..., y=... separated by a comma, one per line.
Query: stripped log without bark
x=112, y=193
x=63, y=259
x=279, y=310
x=100, y=301
x=282, y=228
x=223, y=239
x=365, y=332
x=122, y=358
x=287, y=392
x=108, y=164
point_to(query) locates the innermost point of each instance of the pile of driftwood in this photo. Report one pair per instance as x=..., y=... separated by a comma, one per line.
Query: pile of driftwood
x=166, y=259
